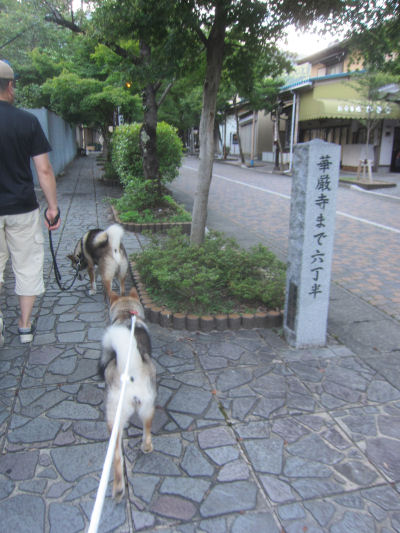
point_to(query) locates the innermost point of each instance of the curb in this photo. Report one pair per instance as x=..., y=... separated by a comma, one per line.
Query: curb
x=154, y=227
x=368, y=186
x=165, y=318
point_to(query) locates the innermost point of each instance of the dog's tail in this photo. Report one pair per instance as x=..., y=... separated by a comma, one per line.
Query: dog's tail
x=113, y=235
x=116, y=342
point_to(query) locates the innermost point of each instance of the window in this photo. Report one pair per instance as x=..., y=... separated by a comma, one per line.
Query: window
x=336, y=68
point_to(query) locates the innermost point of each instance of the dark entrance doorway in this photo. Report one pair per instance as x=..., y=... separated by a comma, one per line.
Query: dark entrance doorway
x=395, y=165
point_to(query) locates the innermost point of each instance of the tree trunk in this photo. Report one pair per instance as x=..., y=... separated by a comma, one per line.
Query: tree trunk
x=106, y=142
x=238, y=137
x=148, y=132
x=215, y=55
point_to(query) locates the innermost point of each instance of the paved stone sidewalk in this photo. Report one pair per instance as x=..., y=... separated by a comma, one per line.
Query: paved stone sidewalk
x=249, y=434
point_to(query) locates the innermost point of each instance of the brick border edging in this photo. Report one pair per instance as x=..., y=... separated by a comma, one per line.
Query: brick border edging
x=153, y=226
x=221, y=322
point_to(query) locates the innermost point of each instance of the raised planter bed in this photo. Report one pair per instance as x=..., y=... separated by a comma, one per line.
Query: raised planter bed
x=368, y=185
x=155, y=227
x=157, y=314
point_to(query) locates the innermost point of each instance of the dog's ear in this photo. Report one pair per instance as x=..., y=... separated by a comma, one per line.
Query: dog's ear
x=133, y=293
x=113, y=297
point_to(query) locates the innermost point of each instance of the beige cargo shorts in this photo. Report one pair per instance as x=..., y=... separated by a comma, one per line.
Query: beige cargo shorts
x=21, y=237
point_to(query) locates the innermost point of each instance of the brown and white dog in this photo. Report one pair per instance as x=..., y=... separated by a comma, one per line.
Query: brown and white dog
x=104, y=249
x=141, y=390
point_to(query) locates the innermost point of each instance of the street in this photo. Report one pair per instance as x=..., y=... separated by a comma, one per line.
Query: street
x=367, y=236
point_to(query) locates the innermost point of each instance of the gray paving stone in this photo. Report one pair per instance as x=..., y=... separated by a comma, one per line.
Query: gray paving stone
x=112, y=517
x=19, y=466
x=6, y=487
x=229, y=498
x=44, y=355
x=156, y=462
x=174, y=507
x=144, y=486
x=234, y=471
x=195, y=464
x=265, y=455
x=321, y=511
x=223, y=455
x=63, y=366
x=36, y=430
x=70, y=327
x=353, y=522
x=57, y=489
x=142, y=520
x=190, y=400
x=215, y=437
x=168, y=445
x=31, y=519
x=44, y=339
x=86, y=368
x=74, y=411
x=34, y=485
x=92, y=430
x=74, y=462
x=72, y=337
x=377, y=433
x=81, y=488
x=255, y=522
x=191, y=488
x=64, y=518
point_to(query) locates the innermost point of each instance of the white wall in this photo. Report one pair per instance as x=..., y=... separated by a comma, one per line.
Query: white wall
x=352, y=153
x=230, y=131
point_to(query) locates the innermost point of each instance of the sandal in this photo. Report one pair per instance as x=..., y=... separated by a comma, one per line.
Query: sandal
x=26, y=334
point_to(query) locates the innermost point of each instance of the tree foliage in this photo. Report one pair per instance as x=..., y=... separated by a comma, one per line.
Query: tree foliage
x=378, y=41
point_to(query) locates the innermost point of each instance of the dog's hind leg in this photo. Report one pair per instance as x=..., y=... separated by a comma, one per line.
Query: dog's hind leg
x=108, y=287
x=147, y=420
x=122, y=284
x=119, y=483
x=92, y=278
x=123, y=272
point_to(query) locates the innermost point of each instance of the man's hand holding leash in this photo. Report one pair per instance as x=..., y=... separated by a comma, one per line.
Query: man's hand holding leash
x=52, y=218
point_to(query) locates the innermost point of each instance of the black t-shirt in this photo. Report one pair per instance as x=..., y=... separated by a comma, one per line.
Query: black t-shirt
x=21, y=137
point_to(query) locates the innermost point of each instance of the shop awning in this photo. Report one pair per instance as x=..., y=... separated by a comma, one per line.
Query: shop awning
x=315, y=108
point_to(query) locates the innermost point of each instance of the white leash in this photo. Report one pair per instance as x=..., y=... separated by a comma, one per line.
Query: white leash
x=101, y=491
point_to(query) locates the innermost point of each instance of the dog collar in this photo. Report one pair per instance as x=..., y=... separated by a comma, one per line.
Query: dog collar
x=133, y=312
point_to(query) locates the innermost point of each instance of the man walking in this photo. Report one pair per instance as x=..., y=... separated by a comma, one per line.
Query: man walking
x=21, y=235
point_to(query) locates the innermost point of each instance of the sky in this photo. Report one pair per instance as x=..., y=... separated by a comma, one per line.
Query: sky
x=307, y=43
x=301, y=43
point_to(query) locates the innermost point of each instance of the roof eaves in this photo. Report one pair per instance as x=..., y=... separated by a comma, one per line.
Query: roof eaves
x=308, y=82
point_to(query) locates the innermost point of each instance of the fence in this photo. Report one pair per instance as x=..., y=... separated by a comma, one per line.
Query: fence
x=60, y=135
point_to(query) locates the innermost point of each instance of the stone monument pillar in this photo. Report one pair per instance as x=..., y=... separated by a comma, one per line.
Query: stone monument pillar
x=311, y=233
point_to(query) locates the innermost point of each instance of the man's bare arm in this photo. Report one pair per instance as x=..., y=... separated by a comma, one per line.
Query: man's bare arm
x=47, y=182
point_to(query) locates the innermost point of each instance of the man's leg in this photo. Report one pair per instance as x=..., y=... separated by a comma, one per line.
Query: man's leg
x=25, y=242
x=26, y=305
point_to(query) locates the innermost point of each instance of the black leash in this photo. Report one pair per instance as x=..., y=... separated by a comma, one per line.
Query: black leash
x=55, y=266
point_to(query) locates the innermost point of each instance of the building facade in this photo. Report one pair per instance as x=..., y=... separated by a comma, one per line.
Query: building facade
x=323, y=99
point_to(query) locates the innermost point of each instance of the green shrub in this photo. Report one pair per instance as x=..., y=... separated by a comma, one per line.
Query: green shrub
x=141, y=194
x=216, y=277
x=109, y=172
x=168, y=211
x=127, y=158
